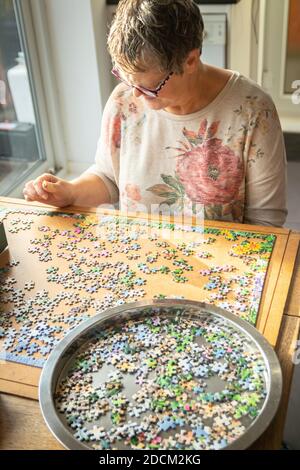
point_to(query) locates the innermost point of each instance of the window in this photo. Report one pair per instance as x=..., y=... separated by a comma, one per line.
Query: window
x=292, y=71
x=22, y=135
x=280, y=59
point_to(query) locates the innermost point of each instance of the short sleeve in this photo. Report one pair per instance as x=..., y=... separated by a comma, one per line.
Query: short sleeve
x=265, y=189
x=106, y=164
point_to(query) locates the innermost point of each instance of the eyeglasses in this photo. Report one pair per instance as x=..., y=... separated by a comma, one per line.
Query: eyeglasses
x=145, y=91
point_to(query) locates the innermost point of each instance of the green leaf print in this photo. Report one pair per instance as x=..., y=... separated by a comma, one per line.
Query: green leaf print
x=173, y=182
x=169, y=201
x=172, y=191
x=160, y=190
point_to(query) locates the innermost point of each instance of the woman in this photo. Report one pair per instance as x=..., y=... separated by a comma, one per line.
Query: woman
x=178, y=133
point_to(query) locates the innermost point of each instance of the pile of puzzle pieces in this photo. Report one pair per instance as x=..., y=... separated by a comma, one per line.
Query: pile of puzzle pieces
x=170, y=379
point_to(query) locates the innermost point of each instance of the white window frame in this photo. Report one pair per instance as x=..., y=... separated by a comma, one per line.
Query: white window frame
x=274, y=62
x=282, y=94
x=35, y=44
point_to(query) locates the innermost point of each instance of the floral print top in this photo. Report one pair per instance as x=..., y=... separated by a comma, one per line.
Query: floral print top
x=228, y=158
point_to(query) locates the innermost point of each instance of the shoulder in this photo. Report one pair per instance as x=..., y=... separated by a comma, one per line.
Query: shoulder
x=117, y=99
x=251, y=103
x=121, y=93
x=122, y=101
x=253, y=94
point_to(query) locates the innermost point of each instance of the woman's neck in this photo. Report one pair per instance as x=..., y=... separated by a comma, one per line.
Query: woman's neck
x=202, y=88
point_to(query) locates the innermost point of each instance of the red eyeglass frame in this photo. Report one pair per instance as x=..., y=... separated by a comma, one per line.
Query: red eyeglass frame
x=144, y=90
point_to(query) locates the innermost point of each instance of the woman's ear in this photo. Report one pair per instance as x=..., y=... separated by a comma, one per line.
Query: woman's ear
x=192, y=61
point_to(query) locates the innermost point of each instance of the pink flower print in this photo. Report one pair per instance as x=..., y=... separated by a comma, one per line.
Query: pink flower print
x=112, y=133
x=116, y=133
x=210, y=172
x=132, y=191
x=132, y=108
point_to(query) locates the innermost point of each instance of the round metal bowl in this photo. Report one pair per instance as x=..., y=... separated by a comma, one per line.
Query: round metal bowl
x=66, y=350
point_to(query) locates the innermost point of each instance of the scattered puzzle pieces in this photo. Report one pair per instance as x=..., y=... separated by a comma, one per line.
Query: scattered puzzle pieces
x=87, y=264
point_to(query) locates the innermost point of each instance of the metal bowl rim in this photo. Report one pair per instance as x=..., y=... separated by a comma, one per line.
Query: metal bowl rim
x=52, y=368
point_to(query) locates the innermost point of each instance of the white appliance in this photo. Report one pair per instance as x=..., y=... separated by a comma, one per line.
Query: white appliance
x=214, y=50
x=19, y=86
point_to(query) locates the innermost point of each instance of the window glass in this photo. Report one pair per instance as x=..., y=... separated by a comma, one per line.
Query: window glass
x=20, y=139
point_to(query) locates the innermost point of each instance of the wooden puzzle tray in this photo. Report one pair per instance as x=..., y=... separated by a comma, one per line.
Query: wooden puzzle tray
x=61, y=278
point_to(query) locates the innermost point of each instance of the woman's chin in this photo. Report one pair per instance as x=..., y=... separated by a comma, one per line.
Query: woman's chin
x=154, y=103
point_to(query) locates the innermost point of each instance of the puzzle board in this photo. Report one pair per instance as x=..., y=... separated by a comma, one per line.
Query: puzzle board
x=63, y=267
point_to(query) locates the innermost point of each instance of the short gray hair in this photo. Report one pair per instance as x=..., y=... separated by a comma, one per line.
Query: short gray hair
x=161, y=33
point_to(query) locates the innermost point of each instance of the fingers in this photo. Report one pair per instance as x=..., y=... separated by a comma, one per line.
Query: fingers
x=30, y=193
x=38, y=186
x=34, y=191
x=50, y=187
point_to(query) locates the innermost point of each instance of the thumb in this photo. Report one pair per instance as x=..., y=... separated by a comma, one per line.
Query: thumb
x=50, y=187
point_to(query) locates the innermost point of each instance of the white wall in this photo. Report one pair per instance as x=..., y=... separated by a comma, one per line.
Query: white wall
x=240, y=37
x=100, y=15
x=77, y=36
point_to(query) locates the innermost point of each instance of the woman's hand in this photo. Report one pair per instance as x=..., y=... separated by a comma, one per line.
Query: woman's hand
x=49, y=189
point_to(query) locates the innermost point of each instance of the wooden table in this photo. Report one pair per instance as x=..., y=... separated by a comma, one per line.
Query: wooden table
x=22, y=425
